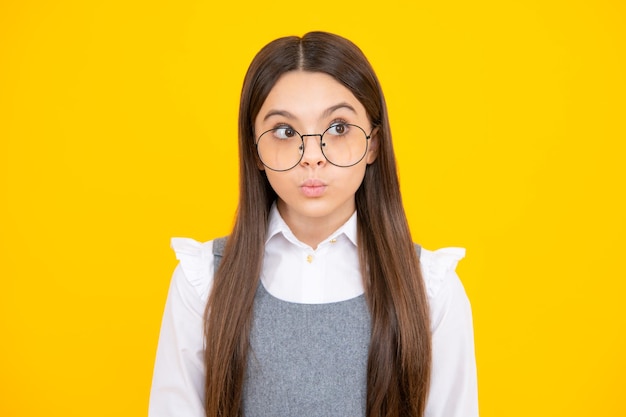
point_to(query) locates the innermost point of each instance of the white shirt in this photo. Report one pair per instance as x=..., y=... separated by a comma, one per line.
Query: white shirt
x=293, y=271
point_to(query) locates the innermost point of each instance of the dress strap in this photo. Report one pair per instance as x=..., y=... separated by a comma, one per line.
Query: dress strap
x=218, y=250
x=418, y=250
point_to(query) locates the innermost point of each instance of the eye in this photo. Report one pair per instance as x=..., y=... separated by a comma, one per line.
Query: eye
x=338, y=129
x=284, y=132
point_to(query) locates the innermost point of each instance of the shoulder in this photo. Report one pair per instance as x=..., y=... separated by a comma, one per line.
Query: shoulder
x=443, y=286
x=196, y=262
x=438, y=267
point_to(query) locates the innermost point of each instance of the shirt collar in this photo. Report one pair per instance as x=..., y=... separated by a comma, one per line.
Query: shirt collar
x=277, y=225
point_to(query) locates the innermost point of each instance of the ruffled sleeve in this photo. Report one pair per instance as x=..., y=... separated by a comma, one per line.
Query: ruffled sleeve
x=196, y=261
x=178, y=379
x=453, y=388
x=437, y=265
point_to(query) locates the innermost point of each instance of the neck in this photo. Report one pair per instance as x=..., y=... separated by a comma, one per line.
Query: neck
x=312, y=230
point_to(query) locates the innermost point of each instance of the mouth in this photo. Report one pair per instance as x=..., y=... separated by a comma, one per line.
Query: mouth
x=313, y=188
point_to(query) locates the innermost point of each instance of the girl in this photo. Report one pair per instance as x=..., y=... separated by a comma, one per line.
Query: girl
x=318, y=303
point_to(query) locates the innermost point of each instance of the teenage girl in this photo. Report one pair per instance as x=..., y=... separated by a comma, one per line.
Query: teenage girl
x=318, y=303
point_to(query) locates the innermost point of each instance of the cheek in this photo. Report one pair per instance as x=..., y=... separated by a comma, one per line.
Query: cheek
x=355, y=178
x=278, y=180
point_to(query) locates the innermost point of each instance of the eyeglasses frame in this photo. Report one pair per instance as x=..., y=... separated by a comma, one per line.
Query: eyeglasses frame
x=321, y=136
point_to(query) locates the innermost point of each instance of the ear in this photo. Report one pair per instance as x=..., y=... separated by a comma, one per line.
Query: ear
x=257, y=159
x=372, y=149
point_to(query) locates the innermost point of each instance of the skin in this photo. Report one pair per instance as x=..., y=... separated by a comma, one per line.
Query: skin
x=315, y=197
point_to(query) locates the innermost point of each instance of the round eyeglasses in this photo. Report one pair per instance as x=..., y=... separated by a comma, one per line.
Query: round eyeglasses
x=282, y=148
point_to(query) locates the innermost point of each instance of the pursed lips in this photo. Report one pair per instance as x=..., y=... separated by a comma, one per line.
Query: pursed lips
x=313, y=187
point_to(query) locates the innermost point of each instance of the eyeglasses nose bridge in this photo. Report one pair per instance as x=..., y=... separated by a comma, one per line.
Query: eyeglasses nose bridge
x=320, y=135
x=312, y=134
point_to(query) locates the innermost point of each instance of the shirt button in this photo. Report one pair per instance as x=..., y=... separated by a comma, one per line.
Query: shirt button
x=309, y=258
x=333, y=240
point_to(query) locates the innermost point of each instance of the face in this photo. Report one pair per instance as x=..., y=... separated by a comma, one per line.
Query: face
x=314, y=192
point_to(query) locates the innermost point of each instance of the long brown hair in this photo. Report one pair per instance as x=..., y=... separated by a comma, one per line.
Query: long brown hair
x=398, y=374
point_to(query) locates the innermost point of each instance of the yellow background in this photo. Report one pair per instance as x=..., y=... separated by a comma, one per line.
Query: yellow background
x=118, y=131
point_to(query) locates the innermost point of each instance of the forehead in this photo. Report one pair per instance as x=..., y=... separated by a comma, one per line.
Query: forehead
x=308, y=94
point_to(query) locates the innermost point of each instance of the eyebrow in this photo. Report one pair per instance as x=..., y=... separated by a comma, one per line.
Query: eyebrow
x=326, y=113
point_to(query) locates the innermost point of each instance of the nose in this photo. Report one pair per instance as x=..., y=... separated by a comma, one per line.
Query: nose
x=313, y=155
